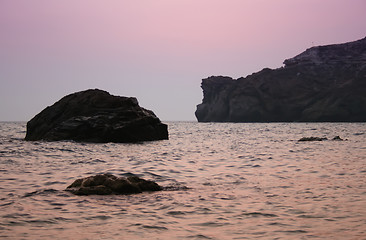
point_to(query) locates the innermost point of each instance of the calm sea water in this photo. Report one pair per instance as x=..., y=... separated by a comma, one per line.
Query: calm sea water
x=245, y=181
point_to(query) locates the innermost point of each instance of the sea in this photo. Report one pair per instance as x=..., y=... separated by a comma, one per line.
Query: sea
x=221, y=180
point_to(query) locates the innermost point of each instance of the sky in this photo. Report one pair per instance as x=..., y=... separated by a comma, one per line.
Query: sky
x=155, y=50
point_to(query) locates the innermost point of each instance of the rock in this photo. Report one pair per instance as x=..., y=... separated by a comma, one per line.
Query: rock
x=337, y=138
x=96, y=116
x=105, y=184
x=309, y=139
x=322, y=84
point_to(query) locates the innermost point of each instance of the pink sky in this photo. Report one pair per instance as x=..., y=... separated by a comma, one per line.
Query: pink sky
x=156, y=50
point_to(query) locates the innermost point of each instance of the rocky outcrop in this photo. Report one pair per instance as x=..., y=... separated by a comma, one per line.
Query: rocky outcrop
x=324, y=83
x=105, y=184
x=96, y=116
x=312, y=139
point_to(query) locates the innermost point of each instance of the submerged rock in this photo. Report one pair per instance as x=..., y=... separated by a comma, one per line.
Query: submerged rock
x=309, y=139
x=324, y=83
x=96, y=116
x=337, y=138
x=105, y=184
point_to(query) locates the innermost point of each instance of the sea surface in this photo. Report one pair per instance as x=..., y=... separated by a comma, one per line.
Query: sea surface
x=227, y=181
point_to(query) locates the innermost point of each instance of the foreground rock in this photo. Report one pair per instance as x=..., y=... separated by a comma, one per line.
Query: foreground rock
x=96, y=116
x=105, y=184
x=325, y=83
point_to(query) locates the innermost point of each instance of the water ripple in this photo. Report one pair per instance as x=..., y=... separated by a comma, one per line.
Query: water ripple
x=221, y=181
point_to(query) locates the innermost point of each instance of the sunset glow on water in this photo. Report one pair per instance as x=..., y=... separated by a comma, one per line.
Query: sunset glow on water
x=231, y=181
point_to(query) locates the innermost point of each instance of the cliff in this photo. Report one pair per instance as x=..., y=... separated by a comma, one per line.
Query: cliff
x=324, y=83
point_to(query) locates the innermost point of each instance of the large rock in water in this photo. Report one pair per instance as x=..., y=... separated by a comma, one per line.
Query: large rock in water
x=105, y=184
x=96, y=116
x=324, y=83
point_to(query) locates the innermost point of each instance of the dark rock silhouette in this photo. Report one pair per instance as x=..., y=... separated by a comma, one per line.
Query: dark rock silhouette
x=105, y=184
x=337, y=138
x=96, y=116
x=324, y=83
x=310, y=139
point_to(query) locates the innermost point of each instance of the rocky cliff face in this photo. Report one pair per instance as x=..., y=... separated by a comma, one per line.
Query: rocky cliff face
x=324, y=83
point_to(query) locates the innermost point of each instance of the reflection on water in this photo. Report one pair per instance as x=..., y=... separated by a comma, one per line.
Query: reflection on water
x=243, y=181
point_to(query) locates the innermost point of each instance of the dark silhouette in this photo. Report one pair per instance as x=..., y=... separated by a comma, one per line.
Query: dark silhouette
x=325, y=83
x=96, y=116
x=105, y=184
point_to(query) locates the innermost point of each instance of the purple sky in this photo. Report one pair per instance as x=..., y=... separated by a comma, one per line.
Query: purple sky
x=155, y=50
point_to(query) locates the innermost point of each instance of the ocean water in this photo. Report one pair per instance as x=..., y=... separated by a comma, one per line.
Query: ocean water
x=229, y=181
